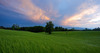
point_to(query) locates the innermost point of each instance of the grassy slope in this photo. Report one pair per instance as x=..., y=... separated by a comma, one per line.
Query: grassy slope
x=58, y=42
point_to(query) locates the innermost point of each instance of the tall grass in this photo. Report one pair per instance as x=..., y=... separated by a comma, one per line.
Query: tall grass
x=58, y=42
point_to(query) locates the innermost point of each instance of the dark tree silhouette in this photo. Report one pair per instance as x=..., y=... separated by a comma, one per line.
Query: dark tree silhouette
x=15, y=27
x=49, y=27
x=33, y=29
x=1, y=27
x=60, y=29
x=72, y=29
x=96, y=29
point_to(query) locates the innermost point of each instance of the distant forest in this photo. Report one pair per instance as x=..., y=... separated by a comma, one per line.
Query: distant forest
x=42, y=29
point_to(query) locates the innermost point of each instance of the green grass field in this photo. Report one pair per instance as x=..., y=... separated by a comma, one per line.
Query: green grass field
x=58, y=42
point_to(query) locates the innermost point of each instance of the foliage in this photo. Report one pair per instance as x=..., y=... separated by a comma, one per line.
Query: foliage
x=86, y=29
x=15, y=27
x=49, y=27
x=60, y=29
x=96, y=29
x=33, y=29
x=1, y=27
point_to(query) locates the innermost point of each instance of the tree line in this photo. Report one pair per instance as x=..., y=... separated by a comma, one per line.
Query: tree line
x=48, y=28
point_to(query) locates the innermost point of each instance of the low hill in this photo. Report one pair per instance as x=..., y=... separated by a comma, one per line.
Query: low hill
x=59, y=42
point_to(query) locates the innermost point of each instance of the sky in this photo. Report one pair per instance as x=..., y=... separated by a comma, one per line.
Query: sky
x=73, y=13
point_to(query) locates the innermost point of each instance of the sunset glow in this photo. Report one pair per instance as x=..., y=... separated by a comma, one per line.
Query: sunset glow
x=79, y=13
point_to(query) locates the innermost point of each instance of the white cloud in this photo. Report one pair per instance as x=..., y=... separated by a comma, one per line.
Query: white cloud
x=86, y=16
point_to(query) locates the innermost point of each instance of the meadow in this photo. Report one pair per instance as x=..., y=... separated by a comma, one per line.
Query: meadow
x=58, y=42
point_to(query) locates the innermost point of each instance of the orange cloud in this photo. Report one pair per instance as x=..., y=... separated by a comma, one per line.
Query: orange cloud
x=73, y=20
x=32, y=11
x=27, y=8
x=85, y=14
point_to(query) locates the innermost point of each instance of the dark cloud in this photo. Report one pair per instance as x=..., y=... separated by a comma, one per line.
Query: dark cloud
x=40, y=11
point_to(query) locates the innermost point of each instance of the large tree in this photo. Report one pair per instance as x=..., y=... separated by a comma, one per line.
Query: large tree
x=49, y=27
x=15, y=27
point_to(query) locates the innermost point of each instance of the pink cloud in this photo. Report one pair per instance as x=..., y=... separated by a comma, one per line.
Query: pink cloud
x=27, y=8
x=79, y=19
